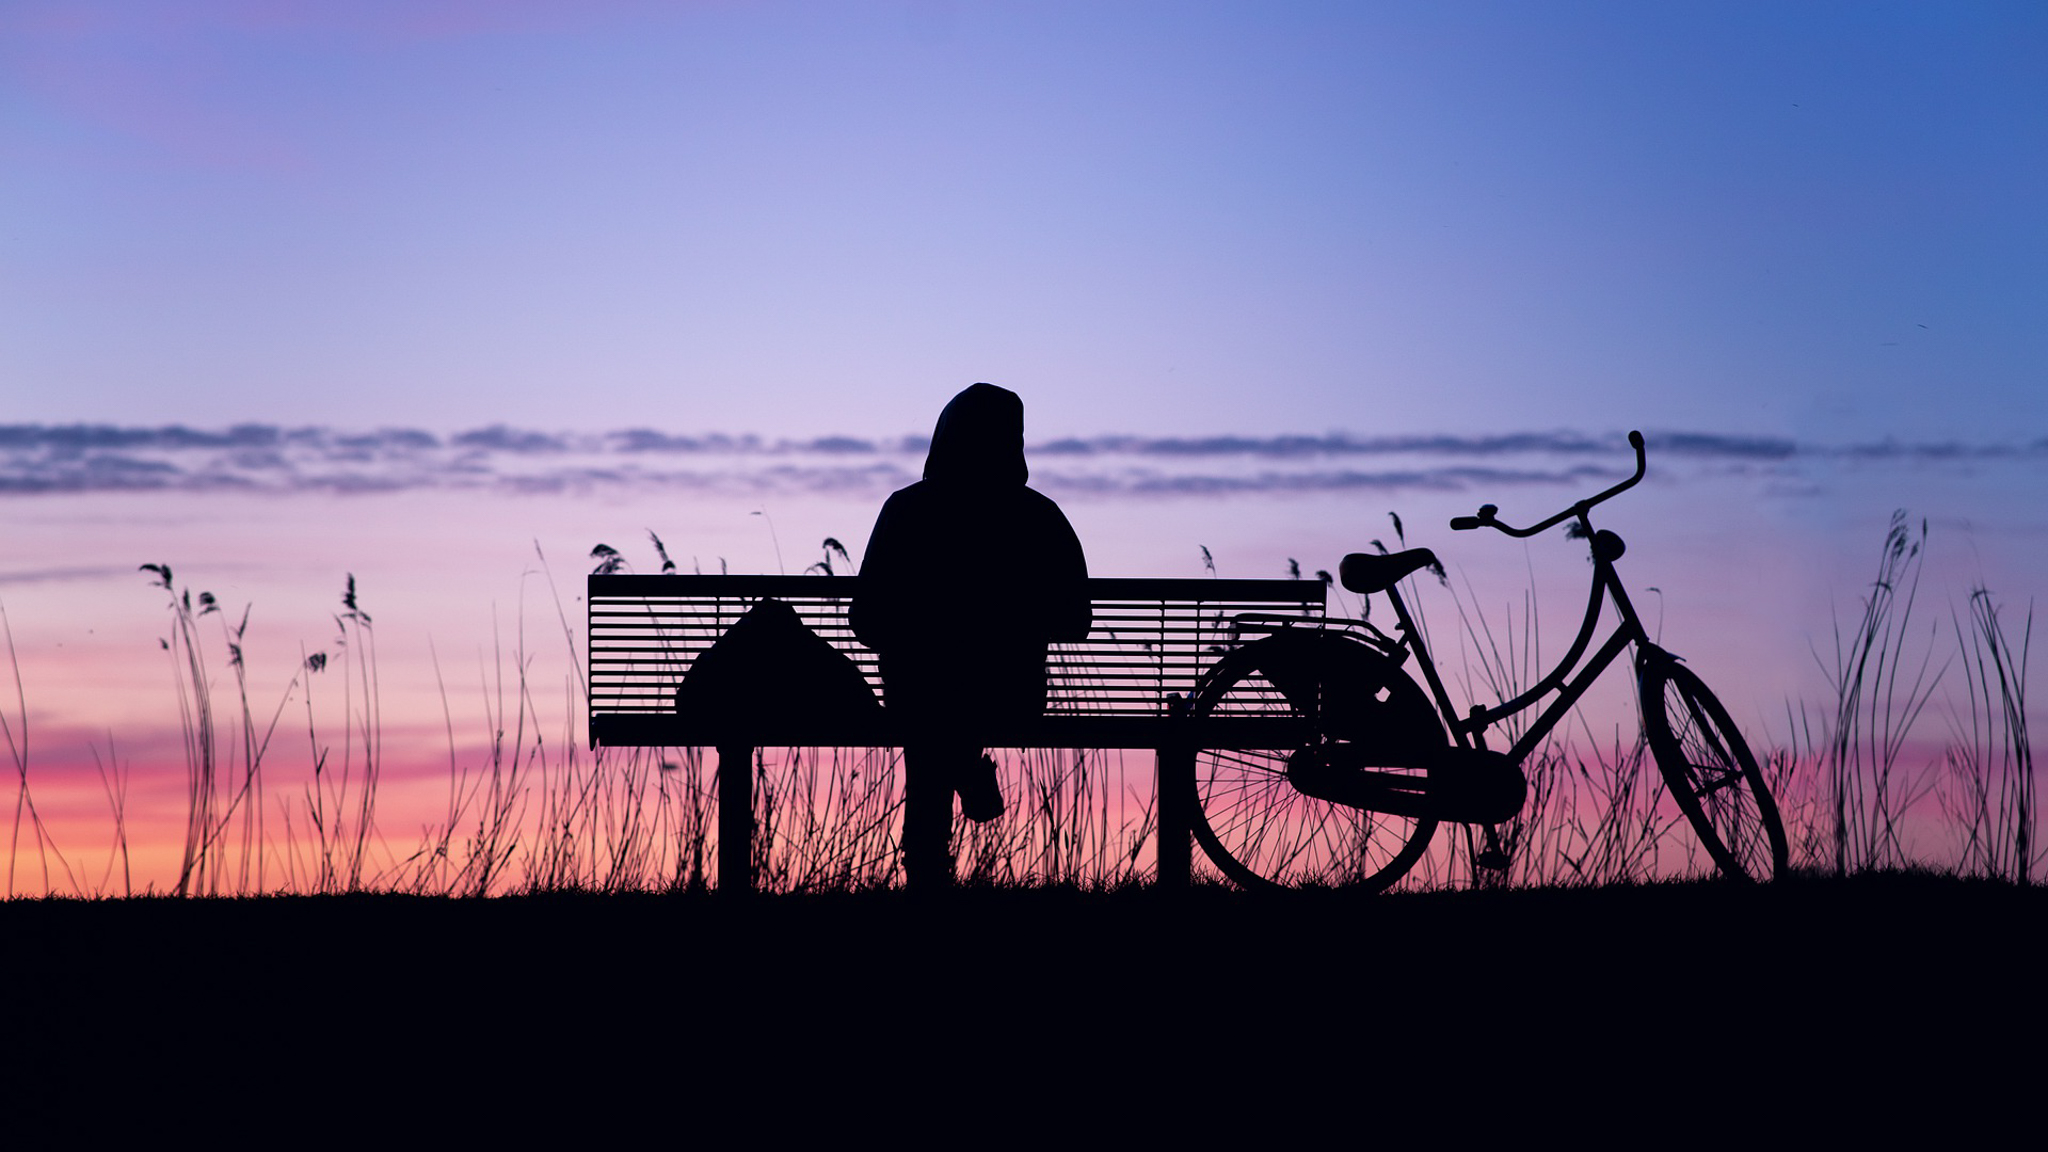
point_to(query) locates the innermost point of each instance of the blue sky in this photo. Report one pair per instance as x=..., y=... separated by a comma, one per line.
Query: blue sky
x=1819, y=221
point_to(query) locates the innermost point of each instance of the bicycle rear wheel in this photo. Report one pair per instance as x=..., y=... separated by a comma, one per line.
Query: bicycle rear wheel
x=1710, y=771
x=1252, y=820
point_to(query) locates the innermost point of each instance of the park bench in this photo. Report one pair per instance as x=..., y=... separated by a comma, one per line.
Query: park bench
x=1125, y=687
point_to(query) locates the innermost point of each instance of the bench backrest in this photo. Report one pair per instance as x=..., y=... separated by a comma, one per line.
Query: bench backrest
x=1151, y=639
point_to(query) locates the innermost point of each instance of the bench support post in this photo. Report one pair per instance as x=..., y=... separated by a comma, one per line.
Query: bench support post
x=735, y=819
x=1174, y=776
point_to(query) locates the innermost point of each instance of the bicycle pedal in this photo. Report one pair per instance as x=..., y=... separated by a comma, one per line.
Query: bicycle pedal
x=1493, y=860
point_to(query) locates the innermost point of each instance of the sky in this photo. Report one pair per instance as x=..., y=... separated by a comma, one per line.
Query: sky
x=428, y=292
x=1814, y=220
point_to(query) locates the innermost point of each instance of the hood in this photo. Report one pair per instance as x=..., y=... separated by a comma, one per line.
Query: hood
x=979, y=439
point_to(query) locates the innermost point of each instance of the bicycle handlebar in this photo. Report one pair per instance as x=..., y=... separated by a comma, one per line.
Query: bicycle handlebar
x=1486, y=519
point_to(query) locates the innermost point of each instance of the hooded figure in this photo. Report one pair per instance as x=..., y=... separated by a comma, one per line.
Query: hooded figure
x=968, y=577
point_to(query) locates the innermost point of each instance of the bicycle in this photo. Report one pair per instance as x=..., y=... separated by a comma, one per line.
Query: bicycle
x=1358, y=803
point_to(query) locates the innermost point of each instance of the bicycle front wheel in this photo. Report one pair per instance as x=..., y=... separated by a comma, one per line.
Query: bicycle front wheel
x=1259, y=828
x=1710, y=771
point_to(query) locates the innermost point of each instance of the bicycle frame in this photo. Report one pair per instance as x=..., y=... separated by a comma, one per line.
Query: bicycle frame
x=1470, y=730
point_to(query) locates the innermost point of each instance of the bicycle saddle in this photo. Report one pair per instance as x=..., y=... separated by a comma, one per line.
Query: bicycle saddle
x=1367, y=572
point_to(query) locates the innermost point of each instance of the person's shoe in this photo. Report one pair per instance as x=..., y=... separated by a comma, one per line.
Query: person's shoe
x=981, y=800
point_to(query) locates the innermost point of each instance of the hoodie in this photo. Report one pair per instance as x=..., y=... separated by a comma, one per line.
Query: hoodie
x=970, y=573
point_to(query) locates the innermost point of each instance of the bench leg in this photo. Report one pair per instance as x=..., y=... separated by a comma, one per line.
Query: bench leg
x=736, y=819
x=1174, y=778
x=1176, y=836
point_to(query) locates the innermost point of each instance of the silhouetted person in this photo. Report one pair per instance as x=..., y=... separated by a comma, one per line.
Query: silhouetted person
x=968, y=577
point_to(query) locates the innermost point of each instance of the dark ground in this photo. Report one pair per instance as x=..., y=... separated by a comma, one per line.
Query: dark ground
x=1682, y=1006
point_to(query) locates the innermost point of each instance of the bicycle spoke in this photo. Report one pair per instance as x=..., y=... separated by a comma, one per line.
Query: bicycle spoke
x=1257, y=824
x=1716, y=779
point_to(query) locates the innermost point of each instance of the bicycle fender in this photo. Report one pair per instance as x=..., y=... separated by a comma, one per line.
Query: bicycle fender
x=1353, y=692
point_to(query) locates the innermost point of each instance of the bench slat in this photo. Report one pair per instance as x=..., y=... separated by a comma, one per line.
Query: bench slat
x=1152, y=639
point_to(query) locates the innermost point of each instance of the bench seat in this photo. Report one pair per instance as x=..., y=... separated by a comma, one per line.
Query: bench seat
x=1123, y=687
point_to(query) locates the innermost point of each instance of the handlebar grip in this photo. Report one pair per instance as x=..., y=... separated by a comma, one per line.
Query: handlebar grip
x=1635, y=441
x=1467, y=523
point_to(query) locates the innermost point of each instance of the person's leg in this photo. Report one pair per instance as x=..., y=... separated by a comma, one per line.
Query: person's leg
x=928, y=771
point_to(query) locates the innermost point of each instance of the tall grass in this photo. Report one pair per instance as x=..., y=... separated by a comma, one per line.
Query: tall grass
x=1852, y=781
x=827, y=819
x=1881, y=686
x=528, y=807
x=1989, y=792
x=226, y=849
x=16, y=735
x=1077, y=821
x=1592, y=818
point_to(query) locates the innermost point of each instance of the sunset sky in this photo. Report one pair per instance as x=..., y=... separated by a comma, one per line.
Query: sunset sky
x=413, y=289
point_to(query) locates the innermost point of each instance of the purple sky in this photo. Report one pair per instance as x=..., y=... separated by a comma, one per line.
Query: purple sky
x=1812, y=220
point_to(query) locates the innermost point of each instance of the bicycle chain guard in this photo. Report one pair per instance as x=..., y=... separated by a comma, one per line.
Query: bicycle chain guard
x=1461, y=785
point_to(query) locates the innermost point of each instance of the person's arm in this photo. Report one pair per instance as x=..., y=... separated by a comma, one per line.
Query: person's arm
x=1072, y=614
x=876, y=607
